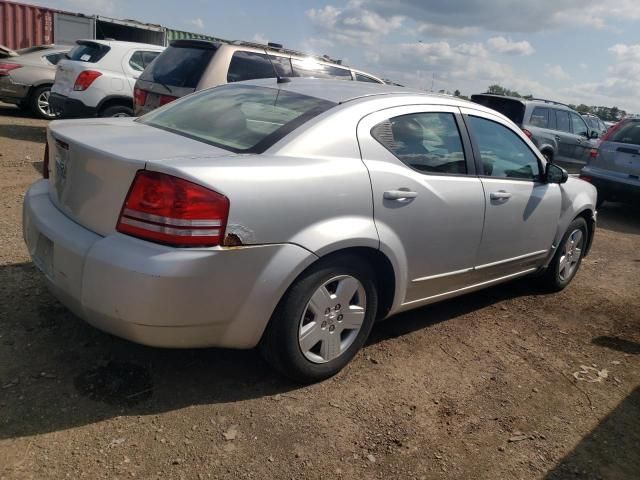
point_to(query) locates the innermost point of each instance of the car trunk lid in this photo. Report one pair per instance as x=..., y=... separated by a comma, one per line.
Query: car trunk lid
x=512, y=108
x=91, y=169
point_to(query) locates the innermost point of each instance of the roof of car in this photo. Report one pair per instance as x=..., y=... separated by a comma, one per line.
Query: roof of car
x=340, y=91
x=119, y=43
x=536, y=101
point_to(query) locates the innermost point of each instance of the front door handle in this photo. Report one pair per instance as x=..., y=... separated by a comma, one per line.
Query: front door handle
x=500, y=195
x=399, y=194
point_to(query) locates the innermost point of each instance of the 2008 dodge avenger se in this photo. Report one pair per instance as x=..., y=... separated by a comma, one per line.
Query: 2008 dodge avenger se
x=293, y=215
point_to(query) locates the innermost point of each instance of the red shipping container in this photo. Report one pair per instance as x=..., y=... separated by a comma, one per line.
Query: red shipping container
x=23, y=26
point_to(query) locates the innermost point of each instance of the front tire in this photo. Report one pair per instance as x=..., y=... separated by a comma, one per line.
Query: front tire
x=323, y=320
x=568, y=257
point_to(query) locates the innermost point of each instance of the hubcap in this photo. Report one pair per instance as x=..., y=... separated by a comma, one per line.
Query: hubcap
x=43, y=103
x=570, y=256
x=332, y=319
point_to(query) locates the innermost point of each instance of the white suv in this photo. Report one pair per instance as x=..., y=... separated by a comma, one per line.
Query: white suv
x=97, y=78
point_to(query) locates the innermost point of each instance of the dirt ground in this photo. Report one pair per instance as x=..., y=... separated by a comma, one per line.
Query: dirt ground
x=506, y=383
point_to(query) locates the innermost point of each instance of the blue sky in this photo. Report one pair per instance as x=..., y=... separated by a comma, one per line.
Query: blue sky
x=577, y=51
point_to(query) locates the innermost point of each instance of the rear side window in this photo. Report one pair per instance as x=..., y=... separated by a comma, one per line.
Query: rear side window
x=252, y=65
x=141, y=59
x=179, y=66
x=54, y=58
x=89, y=52
x=311, y=68
x=540, y=117
x=510, y=108
x=239, y=118
x=629, y=133
x=365, y=78
x=504, y=154
x=426, y=142
x=563, y=122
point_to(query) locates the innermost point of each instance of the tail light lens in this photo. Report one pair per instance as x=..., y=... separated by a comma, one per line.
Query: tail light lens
x=5, y=68
x=139, y=96
x=593, y=153
x=527, y=133
x=45, y=161
x=164, y=99
x=85, y=79
x=165, y=209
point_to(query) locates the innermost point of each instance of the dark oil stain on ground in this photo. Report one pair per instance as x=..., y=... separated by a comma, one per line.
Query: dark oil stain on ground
x=116, y=383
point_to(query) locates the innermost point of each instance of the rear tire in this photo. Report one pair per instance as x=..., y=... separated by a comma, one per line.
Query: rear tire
x=39, y=103
x=568, y=257
x=117, y=111
x=311, y=340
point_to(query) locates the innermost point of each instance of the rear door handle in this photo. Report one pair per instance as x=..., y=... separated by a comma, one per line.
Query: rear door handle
x=399, y=194
x=500, y=195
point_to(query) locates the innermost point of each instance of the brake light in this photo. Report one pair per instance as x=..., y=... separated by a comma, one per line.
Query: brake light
x=593, y=153
x=165, y=209
x=139, y=97
x=5, y=68
x=527, y=133
x=45, y=161
x=164, y=99
x=85, y=79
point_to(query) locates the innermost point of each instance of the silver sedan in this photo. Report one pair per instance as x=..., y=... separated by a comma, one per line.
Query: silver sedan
x=292, y=215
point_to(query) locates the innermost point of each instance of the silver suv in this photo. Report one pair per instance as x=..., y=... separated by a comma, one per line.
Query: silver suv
x=560, y=133
x=190, y=65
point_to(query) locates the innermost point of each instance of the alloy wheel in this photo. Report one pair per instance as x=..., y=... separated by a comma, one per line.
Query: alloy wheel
x=571, y=252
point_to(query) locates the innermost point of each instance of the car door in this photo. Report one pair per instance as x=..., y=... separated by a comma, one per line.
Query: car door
x=564, y=136
x=428, y=203
x=580, y=131
x=522, y=211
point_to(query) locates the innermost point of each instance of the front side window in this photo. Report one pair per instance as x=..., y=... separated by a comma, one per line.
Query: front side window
x=427, y=142
x=563, y=121
x=504, y=154
x=578, y=125
x=239, y=118
x=252, y=66
x=540, y=117
x=311, y=68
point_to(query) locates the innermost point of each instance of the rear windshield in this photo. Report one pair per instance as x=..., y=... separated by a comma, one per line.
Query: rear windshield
x=239, y=118
x=179, y=66
x=629, y=133
x=510, y=108
x=88, y=52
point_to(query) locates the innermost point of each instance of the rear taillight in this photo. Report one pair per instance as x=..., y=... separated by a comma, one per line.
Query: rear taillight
x=45, y=161
x=166, y=209
x=5, y=68
x=139, y=96
x=164, y=99
x=85, y=79
x=586, y=178
x=527, y=133
x=593, y=153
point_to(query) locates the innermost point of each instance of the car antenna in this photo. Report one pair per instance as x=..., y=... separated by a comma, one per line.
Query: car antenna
x=278, y=77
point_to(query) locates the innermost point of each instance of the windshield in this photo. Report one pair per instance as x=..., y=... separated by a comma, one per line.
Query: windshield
x=239, y=118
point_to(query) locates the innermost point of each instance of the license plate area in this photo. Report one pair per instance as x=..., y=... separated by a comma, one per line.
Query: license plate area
x=43, y=255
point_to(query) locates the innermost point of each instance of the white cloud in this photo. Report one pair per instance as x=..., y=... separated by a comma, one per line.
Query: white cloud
x=556, y=72
x=198, y=23
x=508, y=46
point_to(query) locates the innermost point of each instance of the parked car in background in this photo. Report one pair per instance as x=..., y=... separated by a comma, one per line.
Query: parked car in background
x=190, y=65
x=595, y=123
x=614, y=167
x=183, y=228
x=26, y=77
x=97, y=78
x=559, y=132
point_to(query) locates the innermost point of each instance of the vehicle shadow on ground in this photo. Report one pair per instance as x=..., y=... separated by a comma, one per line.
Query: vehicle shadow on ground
x=26, y=133
x=619, y=217
x=61, y=373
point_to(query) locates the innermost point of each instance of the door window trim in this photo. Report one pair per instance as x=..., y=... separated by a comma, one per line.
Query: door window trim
x=464, y=140
x=478, y=157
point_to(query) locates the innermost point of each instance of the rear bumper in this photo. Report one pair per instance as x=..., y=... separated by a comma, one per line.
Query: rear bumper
x=612, y=187
x=157, y=295
x=70, y=107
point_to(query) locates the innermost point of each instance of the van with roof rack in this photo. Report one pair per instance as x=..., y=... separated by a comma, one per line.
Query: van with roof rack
x=190, y=65
x=560, y=133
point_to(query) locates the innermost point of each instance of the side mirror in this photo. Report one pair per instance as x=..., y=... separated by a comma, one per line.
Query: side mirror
x=594, y=135
x=555, y=174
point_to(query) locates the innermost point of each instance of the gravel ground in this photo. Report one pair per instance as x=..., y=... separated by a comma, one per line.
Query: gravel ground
x=505, y=383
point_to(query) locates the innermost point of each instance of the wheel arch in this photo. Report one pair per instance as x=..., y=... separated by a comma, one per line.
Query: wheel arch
x=589, y=217
x=112, y=100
